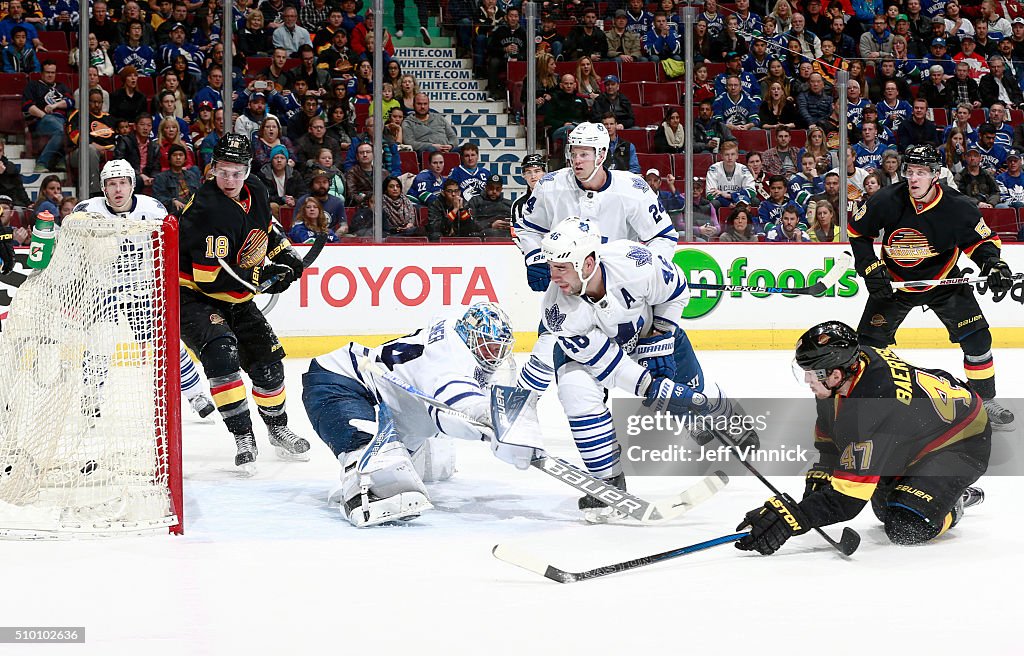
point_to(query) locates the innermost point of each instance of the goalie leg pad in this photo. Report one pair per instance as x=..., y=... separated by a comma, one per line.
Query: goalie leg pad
x=434, y=460
x=331, y=402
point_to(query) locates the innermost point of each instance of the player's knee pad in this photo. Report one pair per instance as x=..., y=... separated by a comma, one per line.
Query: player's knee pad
x=220, y=357
x=269, y=375
x=579, y=391
x=978, y=344
x=904, y=526
x=434, y=460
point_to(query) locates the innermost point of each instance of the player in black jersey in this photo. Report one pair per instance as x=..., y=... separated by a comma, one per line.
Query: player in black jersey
x=229, y=219
x=910, y=440
x=533, y=167
x=924, y=227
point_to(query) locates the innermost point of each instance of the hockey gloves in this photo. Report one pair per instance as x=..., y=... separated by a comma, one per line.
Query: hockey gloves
x=665, y=394
x=538, y=276
x=878, y=281
x=816, y=479
x=6, y=249
x=291, y=259
x=657, y=354
x=779, y=519
x=283, y=274
x=999, y=277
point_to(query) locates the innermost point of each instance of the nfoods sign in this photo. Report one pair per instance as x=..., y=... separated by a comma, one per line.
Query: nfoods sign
x=780, y=266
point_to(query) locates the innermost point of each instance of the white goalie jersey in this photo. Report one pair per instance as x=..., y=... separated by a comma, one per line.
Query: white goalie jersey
x=643, y=291
x=435, y=360
x=626, y=208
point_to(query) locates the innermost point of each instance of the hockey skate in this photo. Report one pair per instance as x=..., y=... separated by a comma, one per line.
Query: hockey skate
x=245, y=459
x=379, y=482
x=202, y=406
x=598, y=512
x=1000, y=417
x=972, y=496
x=287, y=444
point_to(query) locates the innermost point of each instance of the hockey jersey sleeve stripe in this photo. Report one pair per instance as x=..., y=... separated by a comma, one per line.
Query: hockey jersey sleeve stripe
x=201, y=273
x=459, y=397
x=534, y=226
x=437, y=392
x=851, y=485
x=600, y=354
x=994, y=240
x=611, y=367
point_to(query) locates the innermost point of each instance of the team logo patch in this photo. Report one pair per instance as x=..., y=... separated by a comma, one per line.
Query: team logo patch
x=908, y=247
x=640, y=255
x=554, y=318
x=861, y=211
x=216, y=319
x=982, y=229
x=823, y=340
x=639, y=183
x=253, y=250
x=878, y=320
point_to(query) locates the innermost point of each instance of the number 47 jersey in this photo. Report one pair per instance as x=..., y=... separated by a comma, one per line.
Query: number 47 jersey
x=625, y=208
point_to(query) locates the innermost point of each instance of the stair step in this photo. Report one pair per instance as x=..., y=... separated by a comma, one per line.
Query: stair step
x=412, y=39
x=446, y=106
x=490, y=131
x=477, y=120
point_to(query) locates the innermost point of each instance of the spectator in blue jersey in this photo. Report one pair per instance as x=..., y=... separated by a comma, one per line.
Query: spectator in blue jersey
x=134, y=52
x=788, y=228
x=893, y=110
x=1011, y=182
x=427, y=184
x=662, y=41
x=997, y=115
x=807, y=182
x=63, y=15
x=311, y=221
x=770, y=209
x=756, y=61
x=18, y=56
x=46, y=104
x=993, y=156
x=918, y=129
x=470, y=174
x=213, y=91
x=16, y=18
x=639, y=21
x=869, y=149
x=713, y=18
x=734, y=67
x=749, y=21
x=177, y=46
x=815, y=104
x=735, y=108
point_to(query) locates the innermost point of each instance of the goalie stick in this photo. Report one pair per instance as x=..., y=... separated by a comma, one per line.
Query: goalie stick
x=841, y=265
x=642, y=510
x=527, y=561
x=307, y=260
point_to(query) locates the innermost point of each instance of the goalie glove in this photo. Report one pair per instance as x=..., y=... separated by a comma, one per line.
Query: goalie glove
x=1000, y=279
x=6, y=249
x=779, y=519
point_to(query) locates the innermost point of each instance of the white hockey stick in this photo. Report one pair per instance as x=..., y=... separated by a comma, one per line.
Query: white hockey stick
x=642, y=510
x=965, y=280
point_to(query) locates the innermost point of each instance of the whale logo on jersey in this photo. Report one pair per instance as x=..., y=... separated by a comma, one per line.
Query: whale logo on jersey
x=253, y=250
x=554, y=318
x=908, y=247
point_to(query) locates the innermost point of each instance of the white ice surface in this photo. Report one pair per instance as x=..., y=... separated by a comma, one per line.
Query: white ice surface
x=267, y=567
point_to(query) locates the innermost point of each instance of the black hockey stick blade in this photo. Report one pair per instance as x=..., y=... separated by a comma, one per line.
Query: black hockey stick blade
x=314, y=250
x=529, y=562
x=839, y=267
x=848, y=542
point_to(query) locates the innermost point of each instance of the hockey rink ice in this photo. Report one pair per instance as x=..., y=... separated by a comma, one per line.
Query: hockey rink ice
x=267, y=567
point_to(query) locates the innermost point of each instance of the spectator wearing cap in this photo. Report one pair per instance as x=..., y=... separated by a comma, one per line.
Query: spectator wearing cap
x=140, y=149
x=177, y=46
x=586, y=39
x=621, y=153
x=204, y=123
x=1000, y=84
x=1014, y=64
x=977, y=65
x=1011, y=182
x=11, y=185
x=624, y=45
x=334, y=207
x=937, y=56
x=749, y=83
x=1017, y=37
x=290, y=35
x=128, y=102
x=505, y=43
x=662, y=41
x=176, y=185
x=249, y=121
x=975, y=181
x=491, y=211
x=613, y=102
x=284, y=184
x=178, y=16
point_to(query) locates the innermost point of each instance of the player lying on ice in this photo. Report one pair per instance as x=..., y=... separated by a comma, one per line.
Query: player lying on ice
x=613, y=310
x=387, y=443
x=911, y=441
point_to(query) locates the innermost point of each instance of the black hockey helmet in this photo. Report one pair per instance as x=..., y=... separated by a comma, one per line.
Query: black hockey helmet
x=233, y=148
x=827, y=346
x=923, y=155
x=534, y=159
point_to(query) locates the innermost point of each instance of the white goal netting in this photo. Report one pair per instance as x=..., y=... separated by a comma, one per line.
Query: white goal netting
x=88, y=433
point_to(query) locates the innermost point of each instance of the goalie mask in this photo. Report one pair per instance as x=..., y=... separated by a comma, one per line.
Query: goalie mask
x=118, y=197
x=572, y=241
x=487, y=331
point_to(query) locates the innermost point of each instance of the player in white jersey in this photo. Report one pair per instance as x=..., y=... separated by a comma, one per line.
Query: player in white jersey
x=618, y=203
x=119, y=200
x=451, y=359
x=613, y=309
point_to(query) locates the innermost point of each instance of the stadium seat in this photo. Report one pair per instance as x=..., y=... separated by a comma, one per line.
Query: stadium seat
x=53, y=40
x=632, y=91
x=605, y=68
x=461, y=240
x=11, y=119
x=714, y=69
x=639, y=72
x=11, y=83
x=286, y=216
x=563, y=67
x=451, y=160
x=752, y=141
x=701, y=163
x=410, y=162
x=640, y=138
x=798, y=138
x=498, y=240
x=107, y=83
x=661, y=94
x=647, y=116
x=1001, y=220
x=351, y=239
x=423, y=216
x=977, y=117
x=60, y=58
x=396, y=239
x=256, y=65
x=146, y=86
x=515, y=71
x=662, y=162
x=940, y=117
x=1016, y=116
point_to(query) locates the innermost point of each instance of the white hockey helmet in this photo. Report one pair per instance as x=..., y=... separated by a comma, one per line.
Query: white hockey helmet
x=593, y=135
x=487, y=331
x=117, y=168
x=572, y=240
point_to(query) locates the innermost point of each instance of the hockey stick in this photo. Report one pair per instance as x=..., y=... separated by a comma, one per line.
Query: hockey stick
x=645, y=512
x=850, y=539
x=965, y=280
x=310, y=257
x=841, y=265
x=527, y=561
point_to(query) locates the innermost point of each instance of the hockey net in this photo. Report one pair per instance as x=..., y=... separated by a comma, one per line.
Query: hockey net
x=90, y=416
